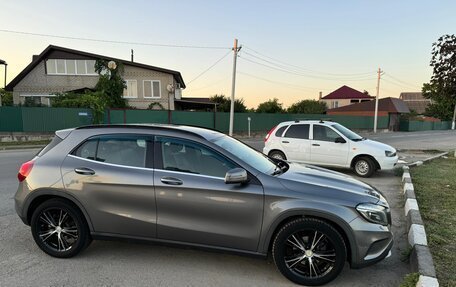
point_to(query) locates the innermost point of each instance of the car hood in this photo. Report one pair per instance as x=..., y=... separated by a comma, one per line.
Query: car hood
x=299, y=174
x=375, y=144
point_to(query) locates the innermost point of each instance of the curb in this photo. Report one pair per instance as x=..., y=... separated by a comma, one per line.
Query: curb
x=20, y=147
x=420, y=162
x=421, y=257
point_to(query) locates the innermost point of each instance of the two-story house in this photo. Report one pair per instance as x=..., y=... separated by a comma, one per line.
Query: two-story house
x=58, y=70
x=345, y=96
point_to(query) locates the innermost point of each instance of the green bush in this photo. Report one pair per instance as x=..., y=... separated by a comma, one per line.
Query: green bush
x=90, y=100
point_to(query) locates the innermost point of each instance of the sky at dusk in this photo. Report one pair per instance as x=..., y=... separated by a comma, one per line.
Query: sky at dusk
x=291, y=50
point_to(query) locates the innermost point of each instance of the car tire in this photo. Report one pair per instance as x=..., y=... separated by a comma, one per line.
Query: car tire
x=277, y=155
x=321, y=244
x=60, y=229
x=364, y=167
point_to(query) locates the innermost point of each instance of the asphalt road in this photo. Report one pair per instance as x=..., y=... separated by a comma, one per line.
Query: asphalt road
x=127, y=264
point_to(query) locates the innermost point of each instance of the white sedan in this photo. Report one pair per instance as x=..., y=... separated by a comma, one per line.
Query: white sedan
x=330, y=144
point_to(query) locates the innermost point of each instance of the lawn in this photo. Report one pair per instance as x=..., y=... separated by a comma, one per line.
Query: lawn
x=435, y=188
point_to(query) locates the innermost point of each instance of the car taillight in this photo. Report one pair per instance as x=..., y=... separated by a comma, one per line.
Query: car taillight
x=24, y=171
x=269, y=134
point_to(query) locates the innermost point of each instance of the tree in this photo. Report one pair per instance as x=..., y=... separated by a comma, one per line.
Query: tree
x=90, y=100
x=6, y=98
x=224, y=104
x=110, y=83
x=270, y=106
x=307, y=107
x=442, y=87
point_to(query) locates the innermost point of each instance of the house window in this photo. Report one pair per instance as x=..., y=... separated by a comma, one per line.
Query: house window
x=335, y=104
x=131, y=91
x=70, y=67
x=151, y=89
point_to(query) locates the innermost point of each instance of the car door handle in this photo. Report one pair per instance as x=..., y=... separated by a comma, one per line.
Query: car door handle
x=285, y=142
x=315, y=144
x=84, y=170
x=171, y=181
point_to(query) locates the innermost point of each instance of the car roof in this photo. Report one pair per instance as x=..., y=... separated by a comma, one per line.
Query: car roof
x=308, y=122
x=205, y=133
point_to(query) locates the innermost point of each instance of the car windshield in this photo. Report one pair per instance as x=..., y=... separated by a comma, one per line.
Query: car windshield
x=347, y=133
x=245, y=153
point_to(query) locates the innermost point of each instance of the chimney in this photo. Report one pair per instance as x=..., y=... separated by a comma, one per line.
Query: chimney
x=319, y=96
x=132, y=55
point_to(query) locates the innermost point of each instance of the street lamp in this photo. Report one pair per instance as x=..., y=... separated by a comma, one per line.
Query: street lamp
x=2, y=62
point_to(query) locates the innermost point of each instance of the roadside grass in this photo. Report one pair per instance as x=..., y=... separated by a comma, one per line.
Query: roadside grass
x=435, y=188
x=22, y=143
x=410, y=280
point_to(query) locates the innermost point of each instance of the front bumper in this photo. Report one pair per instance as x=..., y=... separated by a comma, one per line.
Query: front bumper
x=387, y=163
x=373, y=242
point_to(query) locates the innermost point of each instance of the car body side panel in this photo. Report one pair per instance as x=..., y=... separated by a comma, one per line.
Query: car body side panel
x=205, y=210
x=119, y=199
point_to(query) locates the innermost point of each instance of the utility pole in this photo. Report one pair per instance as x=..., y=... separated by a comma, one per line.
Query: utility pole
x=379, y=73
x=236, y=49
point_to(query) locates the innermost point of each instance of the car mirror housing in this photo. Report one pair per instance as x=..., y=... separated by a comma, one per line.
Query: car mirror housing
x=340, y=140
x=236, y=175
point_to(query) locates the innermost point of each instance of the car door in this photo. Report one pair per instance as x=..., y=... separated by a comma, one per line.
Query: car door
x=112, y=176
x=296, y=144
x=325, y=150
x=196, y=206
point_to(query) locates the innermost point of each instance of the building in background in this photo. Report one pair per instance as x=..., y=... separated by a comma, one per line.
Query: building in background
x=345, y=96
x=390, y=107
x=58, y=70
x=415, y=101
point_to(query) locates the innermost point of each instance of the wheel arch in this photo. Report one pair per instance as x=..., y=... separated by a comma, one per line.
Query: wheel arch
x=354, y=159
x=338, y=223
x=40, y=196
x=276, y=149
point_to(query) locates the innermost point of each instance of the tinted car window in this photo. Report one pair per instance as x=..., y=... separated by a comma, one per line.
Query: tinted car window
x=280, y=131
x=324, y=133
x=187, y=156
x=87, y=150
x=298, y=132
x=121, y=150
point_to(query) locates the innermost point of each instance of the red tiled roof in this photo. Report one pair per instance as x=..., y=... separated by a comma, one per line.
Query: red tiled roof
x=345, y=92
x=391, y=105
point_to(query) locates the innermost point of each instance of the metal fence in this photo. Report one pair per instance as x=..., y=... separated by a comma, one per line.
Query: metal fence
x=44, y=119
x=412, y=126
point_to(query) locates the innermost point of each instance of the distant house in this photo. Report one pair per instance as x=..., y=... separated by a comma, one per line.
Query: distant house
x=345, y=96
x=58, y=70
x=415, y=101
x=195, y=104
x=391, y=107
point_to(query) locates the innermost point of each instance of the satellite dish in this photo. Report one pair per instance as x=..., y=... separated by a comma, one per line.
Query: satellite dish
x=170, y=88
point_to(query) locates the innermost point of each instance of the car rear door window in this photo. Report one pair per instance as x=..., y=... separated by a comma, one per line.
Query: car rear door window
x=190, y=157
x=127, y=150
x=298, y=132
x=280, y=131
x=324, y=133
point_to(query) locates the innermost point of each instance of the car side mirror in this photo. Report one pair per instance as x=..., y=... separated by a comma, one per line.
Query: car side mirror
x=340, y=140
x=236, y=175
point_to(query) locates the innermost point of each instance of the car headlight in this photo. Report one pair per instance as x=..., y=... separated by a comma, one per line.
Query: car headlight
x=389, y=153
x=374, y=213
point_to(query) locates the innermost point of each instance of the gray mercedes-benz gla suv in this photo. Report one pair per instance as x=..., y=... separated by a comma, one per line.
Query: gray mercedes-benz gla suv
x=198, y=187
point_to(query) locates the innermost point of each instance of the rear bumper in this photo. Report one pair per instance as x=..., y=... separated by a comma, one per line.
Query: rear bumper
x=373, y=242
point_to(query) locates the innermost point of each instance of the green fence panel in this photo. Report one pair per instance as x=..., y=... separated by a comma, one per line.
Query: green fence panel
x=146, y=116
x=11, y=119
x=116, y=116
x=200, y=119
x=44, y=119
x=412, y=126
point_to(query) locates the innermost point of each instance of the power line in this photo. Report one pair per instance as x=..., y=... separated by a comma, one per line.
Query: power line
x=304, y=69
x=304, y=75
x=210, y=67
x=400, y=81
x=399, y=84
x=211, y=84
x=281, y=83
x=113, y=41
